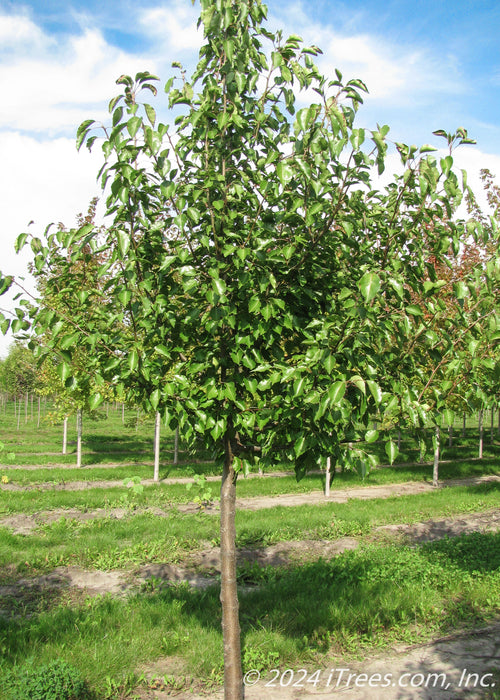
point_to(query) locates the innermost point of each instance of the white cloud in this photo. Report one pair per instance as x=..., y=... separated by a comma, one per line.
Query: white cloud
x=50, y=85
x=173, y=26
x=54, y=90
x=473, y=160
x=41, y=181
x=389, y=74
x=394, y=73
x=19, y=31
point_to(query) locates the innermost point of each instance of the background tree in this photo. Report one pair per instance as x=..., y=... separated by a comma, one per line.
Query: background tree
x=19, y=375
x=286, y=295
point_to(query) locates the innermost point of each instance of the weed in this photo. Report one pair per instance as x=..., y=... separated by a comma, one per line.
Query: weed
x=205, y=495
x=173, y=641
x=259, y=658
x=173, y=683
x=56, y=680
x=253, y=573
x=152, y=584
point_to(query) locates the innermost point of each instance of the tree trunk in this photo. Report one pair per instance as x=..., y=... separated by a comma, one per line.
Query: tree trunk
x=176, y=446
x=79, y=438
x=18, y=414
x=156, y=475
x=450, y=436
x=481, y=434
x=327, y=476
x=123, y=414
x=421, y=453
x=65, y=435
x=463, y=423
x=399, y=438
x=492, y=439
x=26, y=401
x=435, y=470
x=233, y=675
x=39, y=411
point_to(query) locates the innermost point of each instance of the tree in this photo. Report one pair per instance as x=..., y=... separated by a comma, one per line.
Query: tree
x=18, y=375
x=80, y=395
x=285, y=295
x=457, y=332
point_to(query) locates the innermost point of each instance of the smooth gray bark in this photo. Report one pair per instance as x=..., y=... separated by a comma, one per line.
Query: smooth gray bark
x=65, y=436
x=176, y=446
x=481, y=434
x=327, y=476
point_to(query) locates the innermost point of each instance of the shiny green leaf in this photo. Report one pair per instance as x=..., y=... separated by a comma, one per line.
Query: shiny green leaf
x=369, y=286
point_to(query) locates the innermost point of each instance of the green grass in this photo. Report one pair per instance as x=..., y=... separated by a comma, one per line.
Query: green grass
x=142, y=538
x=165, y=494
x=106, y=439
x=296, y=616
x=305, y=615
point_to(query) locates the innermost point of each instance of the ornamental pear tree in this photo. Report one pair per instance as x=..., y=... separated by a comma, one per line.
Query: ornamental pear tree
x=18, y=374
x=461, y=332
x=258, y=282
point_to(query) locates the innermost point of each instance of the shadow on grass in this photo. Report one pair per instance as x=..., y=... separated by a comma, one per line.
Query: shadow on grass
x=132, y=445
x=349, y=602
x=475, y=553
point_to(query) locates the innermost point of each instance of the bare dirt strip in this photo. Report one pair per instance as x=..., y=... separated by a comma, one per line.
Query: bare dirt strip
x=201, y=569
x=254, y=503
x=464, y=665
x=23, y=524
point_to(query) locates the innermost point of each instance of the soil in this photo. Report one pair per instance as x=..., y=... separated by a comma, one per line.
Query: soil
x=201, y=569
x=465, y=665
x=464, y=660
x=257, y=502
x=24, y=524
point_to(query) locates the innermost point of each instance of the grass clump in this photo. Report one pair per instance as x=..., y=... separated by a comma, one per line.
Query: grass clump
x=375, y=595
x=56, y=680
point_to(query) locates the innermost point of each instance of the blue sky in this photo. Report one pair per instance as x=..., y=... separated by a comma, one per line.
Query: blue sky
x=428, y=65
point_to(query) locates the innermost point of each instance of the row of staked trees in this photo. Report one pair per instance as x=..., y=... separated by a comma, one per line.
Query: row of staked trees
x=256, y=286
x=61, y=372
x=25, y=380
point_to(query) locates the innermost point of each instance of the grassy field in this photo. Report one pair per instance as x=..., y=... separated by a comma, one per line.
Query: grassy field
x=307, y=615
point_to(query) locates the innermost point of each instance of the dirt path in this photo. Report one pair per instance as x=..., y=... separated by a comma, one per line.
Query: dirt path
x=23, y=524
x=465, y=665
x=257, y=502
x=201, y=569
x=364, y=492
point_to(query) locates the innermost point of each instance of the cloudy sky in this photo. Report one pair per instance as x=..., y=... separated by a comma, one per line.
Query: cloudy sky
x=428, y=64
